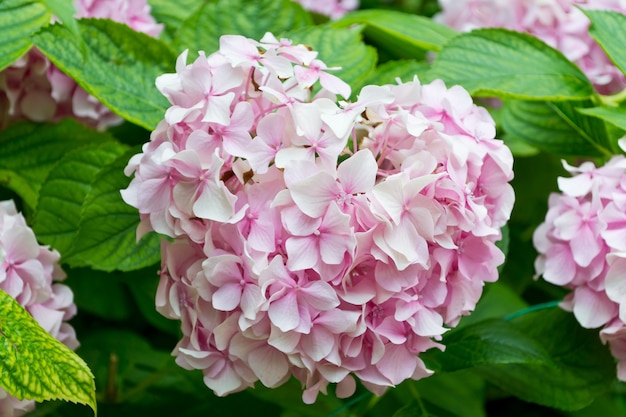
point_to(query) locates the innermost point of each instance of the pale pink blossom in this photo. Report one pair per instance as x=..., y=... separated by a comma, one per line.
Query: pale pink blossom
x=37, y=90
x=30, y=273
x=316, y=238
x=334, y=9
x=559, y=23
x=581, y=247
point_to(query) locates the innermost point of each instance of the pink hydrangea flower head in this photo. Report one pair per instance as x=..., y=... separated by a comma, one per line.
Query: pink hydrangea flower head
x=559, y=23
x=334, y=9
x=581, y=247
x=30, y=273
x=315, y=237
x=34, y=89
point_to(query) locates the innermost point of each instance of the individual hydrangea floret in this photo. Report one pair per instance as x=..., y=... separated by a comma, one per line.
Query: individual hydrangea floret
x=581, y=246
x=312, y=237
x=30, y=273
x=34, y=89
x=559, y=23
x=334, y=9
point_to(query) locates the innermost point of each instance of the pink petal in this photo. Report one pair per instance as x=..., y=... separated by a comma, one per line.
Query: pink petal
x=592, y=309
x=357, y=174
x=284, y=312
x=269, y=365
x=320, y=295
x=302, y=253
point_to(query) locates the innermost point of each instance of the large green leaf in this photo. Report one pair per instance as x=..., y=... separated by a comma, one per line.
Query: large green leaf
x=580, y=370
x=106, y=238
x=64, y=10
x=62, y=196
x=607, y=28
x=201, y=32
x=118, y=66
x=401, y=35
x=405, y=70
x=489, y=342
x=81, y=212
x=172, y=14
x=503, y=63
x=29, y=151
x=18, y=20
x=614, y=115
x=340, y=48
x=556, y=127
x=432, y=395
x=36, y=366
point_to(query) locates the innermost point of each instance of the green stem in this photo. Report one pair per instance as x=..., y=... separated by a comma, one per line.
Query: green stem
x=531, y=309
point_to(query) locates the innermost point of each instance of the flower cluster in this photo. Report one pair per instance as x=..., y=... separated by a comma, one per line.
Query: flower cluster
x=311, y=237
x=34, y=89
x=334, y=9
x=559, y=23
x=30, y=274
x=581, y=246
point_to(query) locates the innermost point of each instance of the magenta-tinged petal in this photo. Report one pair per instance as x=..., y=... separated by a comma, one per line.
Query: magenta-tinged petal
x=302, y=253
x=318, y=344
x=592, y=309
x=320, y=295
x=357, y=174
x=269, y=365
x=616, y=284
x=313, y=194
x=397, y=364
x=227, y=297
x=585, y=246
x=284, y=312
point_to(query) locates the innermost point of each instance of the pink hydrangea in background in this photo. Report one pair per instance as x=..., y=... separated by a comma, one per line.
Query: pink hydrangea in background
x=30, y=273
x=559, y=23
x=334, y=9
x=34, y=89
x=581, y=246
x=312, y=237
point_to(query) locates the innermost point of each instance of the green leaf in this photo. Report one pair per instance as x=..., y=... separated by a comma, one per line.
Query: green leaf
x=62, y=196
x=556, y=127
x=106, y=238
x=497, y=301
x=388, y=72
x=201, y=32
x=118, y=66
x=489, y=342
x=607, y=28
x=64, y=10
x=614, y=115
x=29, y=151
x=434, y=392
x=143, y=285
x=402, y=35
x=36, y=366
x=18, y=20
x=172, y=14
x=503, y=63
x=113, y=301
x=581, y=368
x=340, y=48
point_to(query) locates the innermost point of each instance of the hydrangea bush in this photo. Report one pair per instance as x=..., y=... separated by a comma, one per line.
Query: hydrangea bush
x=250, y=197
x=32, y=88
x=319, y=239
x=581, y=246
x=30, y=273
x=559, y=23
